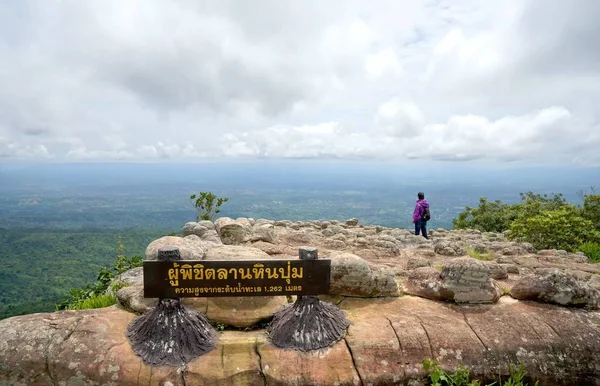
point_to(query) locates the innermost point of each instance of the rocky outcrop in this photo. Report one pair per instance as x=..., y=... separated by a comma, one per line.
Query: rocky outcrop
x=232, y=231
x=558, y=287
x=385, y=345
x=462, y=280
x=354, y=276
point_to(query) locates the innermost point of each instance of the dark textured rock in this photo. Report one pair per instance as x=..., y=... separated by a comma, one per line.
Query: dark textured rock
x=497, y=271
x=555, y=286
x=417, y=262
x=448, y=248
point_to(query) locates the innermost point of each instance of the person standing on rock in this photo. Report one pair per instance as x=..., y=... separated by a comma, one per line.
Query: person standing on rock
x=421, y=215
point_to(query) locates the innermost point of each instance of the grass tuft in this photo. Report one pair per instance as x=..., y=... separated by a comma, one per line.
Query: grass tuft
x=486, y=256
x=99, y=301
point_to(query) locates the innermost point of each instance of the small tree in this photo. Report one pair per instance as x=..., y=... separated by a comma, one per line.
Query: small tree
x=207, y=204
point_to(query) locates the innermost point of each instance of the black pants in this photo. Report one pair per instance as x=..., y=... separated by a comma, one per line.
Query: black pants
x=421, y=226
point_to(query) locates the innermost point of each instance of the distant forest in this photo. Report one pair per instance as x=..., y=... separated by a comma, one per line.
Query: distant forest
x=38, y=267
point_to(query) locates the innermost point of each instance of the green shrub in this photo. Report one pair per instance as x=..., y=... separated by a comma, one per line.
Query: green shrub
x=591, y=208
x=105, y=276
x=591, y=250
x=487, y=217
x=497, y=216
x=562, y=228
x=97, y=301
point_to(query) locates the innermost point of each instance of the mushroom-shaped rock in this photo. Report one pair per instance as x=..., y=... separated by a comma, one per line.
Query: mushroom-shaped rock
x=193, y=228
x=351, y=275
x=469, y=279
x=426, y=283
x=448, y=248
x=558, y=287
x=233, y=232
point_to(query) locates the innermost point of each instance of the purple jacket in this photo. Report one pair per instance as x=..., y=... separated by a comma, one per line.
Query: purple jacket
x=420, y=209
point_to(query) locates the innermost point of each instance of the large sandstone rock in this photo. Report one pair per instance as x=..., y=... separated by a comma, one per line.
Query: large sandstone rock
x=263, y=232
x=233, y=232
x=555, y=286
x=353, y=276
x=427, y=283
x=462, y=280
x=448, y=248
x=190, y=247
x=469, y=279
x=132, y=299
x=193, y=228
x=385, y=345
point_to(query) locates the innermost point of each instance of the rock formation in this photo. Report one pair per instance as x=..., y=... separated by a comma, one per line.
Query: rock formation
x=407, y=299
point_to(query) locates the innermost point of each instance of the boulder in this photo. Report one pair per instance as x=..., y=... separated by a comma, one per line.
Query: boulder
x=497, y=271
x=417, y=262
x=351, y=275
x=193, y=228
x=233, y=232
x=426, y=283
x=558, y=287
x=131, y=277
x=352, y=222
x=132, y=299
x=298, y=238
x=263, y=232
x=448, y=248
x=190, y=247
x=210, y=236
x=469, y=279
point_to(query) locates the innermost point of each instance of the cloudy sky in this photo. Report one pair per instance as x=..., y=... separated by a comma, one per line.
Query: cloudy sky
x=151, y=80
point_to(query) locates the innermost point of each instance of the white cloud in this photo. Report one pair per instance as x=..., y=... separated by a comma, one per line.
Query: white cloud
x=456, y=80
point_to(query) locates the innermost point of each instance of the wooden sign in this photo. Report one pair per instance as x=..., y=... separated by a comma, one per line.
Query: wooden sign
x=220, y=278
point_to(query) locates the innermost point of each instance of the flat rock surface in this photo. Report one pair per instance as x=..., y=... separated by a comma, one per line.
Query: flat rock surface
x=385, y=345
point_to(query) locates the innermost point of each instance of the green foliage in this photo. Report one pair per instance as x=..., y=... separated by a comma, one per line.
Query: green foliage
x=591, y=208
x=461, y=376
x=96, y=293
x=561, y=228
x=96, y=301
x=545, y=221
x=207, y=204
x=485, y=256
x=497, y=216
x=591, y=250
x=517, y=376
x=489, y=216
x=439, y=377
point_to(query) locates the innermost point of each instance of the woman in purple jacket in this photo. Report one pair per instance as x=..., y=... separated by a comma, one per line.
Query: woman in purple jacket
x=421, y=215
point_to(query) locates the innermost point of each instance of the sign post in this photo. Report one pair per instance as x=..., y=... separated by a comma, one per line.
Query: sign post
x=172, y=334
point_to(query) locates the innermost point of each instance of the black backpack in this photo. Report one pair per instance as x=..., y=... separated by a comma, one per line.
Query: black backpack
x=426, y=214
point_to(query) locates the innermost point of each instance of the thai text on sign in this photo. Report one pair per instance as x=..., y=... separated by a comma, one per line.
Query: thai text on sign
x=190, y=278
